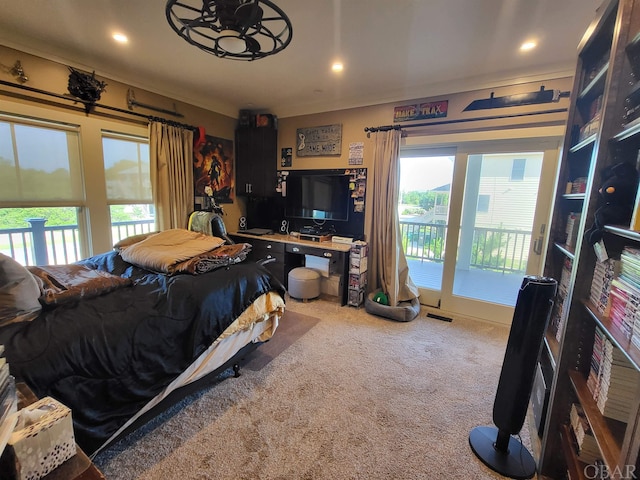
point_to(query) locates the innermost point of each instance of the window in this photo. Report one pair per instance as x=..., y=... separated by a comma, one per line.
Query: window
x=39, y=163
x=83, y=175
x=483, y=203
x=128, y=181
x=42, y=190
x=517, y=168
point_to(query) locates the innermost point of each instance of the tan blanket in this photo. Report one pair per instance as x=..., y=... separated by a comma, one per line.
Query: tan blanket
x=164, y=251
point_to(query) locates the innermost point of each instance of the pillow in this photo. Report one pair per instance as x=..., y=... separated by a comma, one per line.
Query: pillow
x=19, y=292
x=126, y=242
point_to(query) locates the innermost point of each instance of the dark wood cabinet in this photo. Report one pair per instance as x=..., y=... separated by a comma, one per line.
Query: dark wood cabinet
x=256, y=161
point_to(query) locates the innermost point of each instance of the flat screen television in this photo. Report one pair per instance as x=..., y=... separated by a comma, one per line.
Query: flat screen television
x=317, y=196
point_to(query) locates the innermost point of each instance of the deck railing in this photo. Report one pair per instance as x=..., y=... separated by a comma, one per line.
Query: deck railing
x=39, y=244
x=492, y=248
x=499, y=249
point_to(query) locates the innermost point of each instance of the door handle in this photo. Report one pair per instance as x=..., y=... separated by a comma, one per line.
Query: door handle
x=537, y=246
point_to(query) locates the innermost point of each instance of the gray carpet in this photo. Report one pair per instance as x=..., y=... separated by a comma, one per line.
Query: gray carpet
x=344, y=395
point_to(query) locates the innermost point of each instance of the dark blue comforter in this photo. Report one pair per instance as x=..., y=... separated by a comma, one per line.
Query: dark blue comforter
x=107, y=356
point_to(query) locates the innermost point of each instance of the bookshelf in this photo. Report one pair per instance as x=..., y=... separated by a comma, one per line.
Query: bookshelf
x=590, y=355
x=8, y=401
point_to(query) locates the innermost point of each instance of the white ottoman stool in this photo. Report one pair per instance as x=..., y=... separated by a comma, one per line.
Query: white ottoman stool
x=304, y=283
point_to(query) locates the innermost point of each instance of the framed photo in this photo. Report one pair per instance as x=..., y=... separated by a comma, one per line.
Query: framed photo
x=213, y=169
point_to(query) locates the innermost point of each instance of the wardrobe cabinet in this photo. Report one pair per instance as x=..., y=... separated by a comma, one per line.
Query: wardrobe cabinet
x=589, y=361
x=256, y=161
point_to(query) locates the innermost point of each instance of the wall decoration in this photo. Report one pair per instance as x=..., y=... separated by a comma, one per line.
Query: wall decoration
x=286, y=156
x=358, y=187
x=85, y=87
x=213, y=169
x=319, y=141
x=356, y=153
x=421, y=111
x=516, y=100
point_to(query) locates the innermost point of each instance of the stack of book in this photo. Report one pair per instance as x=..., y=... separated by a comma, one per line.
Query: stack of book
x=603, y=275
x=586, y=445
x=612, y=379
x=624, y=306
x=8, y=401
x=571, y=229
x=556, y=322
x=627, y=292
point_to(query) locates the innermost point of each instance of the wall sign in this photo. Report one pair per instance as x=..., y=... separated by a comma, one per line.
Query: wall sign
x=319, y=141
x=421, y=111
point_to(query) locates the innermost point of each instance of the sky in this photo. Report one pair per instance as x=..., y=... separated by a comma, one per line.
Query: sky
x=425, y=173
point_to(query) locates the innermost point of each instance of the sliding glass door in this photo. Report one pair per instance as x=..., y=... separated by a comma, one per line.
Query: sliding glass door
x=425, y=188
x=473, y=218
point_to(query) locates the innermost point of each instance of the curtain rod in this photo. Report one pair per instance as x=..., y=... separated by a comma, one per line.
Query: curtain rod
x=88, y=105
x=385, y=128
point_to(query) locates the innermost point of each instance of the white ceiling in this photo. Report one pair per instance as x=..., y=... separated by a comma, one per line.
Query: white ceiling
x=393, y=50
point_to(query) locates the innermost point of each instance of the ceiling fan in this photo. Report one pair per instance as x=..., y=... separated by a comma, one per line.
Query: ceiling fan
x=236, y=29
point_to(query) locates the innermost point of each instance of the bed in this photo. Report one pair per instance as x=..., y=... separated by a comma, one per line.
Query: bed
x=114, y=355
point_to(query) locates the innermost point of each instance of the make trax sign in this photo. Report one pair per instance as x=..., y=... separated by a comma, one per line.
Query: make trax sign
x=421, y=111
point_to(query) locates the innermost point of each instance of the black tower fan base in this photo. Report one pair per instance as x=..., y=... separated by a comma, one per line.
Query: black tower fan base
x=502, y=453
x=496, y=447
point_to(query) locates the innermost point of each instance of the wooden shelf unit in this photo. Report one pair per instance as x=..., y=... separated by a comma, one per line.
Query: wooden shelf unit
x=603, y=129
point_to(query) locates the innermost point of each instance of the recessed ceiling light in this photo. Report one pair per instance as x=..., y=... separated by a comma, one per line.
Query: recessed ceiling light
x=120, y=38
x=526, y=46
x=337, y=67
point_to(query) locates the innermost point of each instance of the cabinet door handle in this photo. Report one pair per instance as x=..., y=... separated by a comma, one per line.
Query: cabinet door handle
x=295, y=249
x=269, y=246
x=327, y=254
x=269, y=256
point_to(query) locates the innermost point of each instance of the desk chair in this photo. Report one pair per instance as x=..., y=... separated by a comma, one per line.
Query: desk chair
x=209, y=223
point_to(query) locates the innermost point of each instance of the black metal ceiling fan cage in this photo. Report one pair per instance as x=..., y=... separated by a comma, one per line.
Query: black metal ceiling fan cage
x=254, y=28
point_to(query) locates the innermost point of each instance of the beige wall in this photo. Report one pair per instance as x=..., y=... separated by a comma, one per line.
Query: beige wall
x=456, y=126
x=53, y=77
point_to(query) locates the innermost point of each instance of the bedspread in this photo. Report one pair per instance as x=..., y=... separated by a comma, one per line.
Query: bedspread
x=106, y=356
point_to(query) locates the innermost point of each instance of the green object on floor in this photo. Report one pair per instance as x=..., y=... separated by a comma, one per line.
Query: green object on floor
x=381, y=298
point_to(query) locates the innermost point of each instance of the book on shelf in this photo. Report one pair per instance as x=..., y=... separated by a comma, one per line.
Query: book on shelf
x=635, y=216
x=8, y=401
x=612, y=380
x=630, y=266
x=593, y=379
x=558, y=312
x=603, y=275
x=586, y=446
x=565, y=277
x=571, y=229
x=622, y=308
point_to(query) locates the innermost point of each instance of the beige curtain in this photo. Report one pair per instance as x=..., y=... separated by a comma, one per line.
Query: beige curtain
x=388, y=267
x=171, y=152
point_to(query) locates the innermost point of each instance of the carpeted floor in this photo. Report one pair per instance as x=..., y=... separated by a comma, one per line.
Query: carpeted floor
x=339, y=394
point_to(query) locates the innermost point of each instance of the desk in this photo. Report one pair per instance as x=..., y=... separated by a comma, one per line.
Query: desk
x=78, y=467
x=289, y=252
